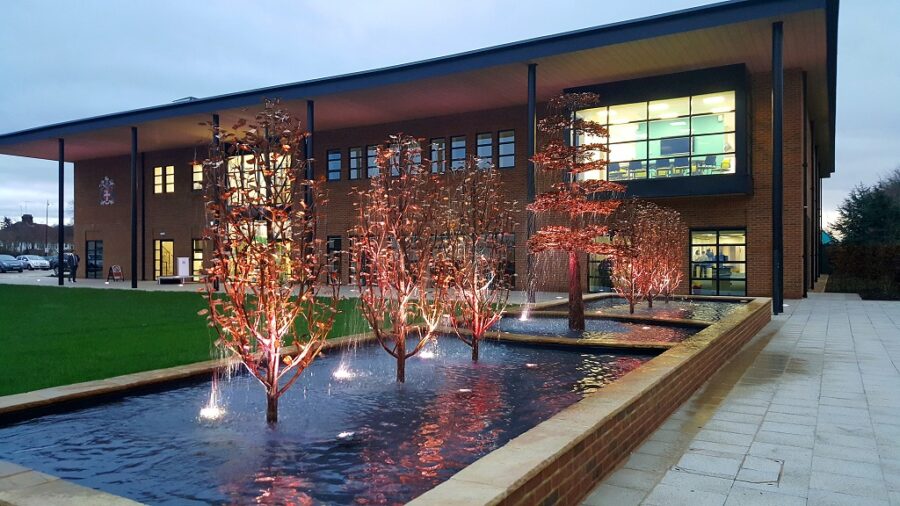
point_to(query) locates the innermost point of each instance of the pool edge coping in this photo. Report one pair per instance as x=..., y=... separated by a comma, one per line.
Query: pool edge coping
x=501, y=475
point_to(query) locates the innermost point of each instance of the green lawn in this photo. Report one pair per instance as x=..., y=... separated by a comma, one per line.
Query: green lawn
x=52, y=336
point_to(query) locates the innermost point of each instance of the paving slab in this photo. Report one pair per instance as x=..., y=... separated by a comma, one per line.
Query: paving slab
x=807, y=413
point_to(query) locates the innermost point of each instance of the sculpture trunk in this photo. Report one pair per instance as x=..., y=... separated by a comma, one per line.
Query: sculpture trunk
x=401, y=360
x=475, y=348
x=271, y=407
x=576, y=303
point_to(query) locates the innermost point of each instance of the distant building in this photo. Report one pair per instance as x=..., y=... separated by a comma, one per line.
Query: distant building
x=29, y=238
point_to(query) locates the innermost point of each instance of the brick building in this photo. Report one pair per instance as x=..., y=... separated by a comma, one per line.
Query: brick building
x=699, y=104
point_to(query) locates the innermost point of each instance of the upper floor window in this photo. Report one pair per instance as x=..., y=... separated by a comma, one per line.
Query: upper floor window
x=356, y=163
x=484, y=149
x=506, y=149
x=438, y=155
x=197, y=176
x=457, y=152
x=334, y=164
x=371, y=161
x=683, y=136
x=164, y=179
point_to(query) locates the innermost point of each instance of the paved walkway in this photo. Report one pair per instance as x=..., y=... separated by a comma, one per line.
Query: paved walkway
x=807, y=414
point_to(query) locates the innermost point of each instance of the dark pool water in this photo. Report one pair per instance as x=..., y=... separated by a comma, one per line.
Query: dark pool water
x=596, y=328
x=703, y=310
x=365, y=440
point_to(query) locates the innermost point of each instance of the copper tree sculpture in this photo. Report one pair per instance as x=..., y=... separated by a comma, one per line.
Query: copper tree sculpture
x=265, y=254
x=648, y=253
x=402, y=290
x=583, y=204
x=477, y=248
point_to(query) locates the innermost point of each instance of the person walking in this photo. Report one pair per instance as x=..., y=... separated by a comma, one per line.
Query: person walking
x=73, y=265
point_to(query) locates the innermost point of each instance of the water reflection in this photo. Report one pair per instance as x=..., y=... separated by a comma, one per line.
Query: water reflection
x=365, y=441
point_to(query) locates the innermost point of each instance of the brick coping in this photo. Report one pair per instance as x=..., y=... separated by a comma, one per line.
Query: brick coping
x=561, y=459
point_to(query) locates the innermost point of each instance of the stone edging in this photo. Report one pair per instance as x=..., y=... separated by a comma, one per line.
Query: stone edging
x=46, y=397
x=560, y=460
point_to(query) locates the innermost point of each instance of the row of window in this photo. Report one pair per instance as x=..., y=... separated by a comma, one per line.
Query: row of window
x=360, y=165
x=684, y=136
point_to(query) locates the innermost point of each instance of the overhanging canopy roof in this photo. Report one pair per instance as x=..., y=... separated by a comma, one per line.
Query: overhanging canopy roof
x=725, y=33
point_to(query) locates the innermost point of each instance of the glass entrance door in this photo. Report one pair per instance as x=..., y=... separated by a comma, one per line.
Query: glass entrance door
x=163, y=258
x=94, y=259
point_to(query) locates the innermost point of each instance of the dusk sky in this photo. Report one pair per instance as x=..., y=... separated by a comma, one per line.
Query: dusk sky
x=63, y=60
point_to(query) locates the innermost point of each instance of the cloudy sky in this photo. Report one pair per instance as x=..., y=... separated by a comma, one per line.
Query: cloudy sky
x=63, y=60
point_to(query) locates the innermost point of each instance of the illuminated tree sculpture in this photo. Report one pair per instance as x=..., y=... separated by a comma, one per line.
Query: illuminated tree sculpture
x=402, y=291
x=265, y=254
x=478, y=245
x=572, y=149
x=648, y=253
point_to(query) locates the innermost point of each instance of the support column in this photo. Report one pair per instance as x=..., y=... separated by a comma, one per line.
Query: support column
x=215, y=186
x=143, y=180
x=807, y=212
x=531, y=148
x=134, y=192
x=61, y=228
x=309, y=149
x=777, y=168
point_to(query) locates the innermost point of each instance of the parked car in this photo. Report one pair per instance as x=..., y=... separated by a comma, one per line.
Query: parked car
x=32, y=262
x=52, y=260
x=8, y=263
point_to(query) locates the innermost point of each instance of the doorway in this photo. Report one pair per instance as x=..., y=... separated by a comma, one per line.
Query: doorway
x=93, y=266
x=163, y=258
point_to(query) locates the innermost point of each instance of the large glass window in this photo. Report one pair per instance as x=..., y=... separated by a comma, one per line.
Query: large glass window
x=506, y=149
x=197, y=176
x=356, y=163
x=94, y=253
x=458, y=152
x=334, y=164
x=371, y=161
x=164, y=179
x=718, y=262
x=333, y=246
x=684, y=136
x=484, y=149
x=438, y=155
x=197, y=259
x=243, y=172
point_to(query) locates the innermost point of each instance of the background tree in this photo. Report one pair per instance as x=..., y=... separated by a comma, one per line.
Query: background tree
x=477, y=247
x=265, y=254
x=6, y=222
x=402, y=290
x=871, y=214
x=671, y=243
x=571, y=149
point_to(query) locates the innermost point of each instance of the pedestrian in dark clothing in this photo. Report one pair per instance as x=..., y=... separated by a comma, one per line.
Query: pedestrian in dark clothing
x=73, y=265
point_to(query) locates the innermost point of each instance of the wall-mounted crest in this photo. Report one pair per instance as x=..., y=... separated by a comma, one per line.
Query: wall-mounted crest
x=106, y=192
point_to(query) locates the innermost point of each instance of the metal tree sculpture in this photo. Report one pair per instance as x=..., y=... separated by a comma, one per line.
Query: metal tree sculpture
x=265, y=254
x=648, y=254
x=670, y=245
x=401, y=289
x=477, y=248
x=584, y=204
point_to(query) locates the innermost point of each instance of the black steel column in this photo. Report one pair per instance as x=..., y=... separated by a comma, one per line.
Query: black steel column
x=807, y=212
x=215, y=186
x=134, y=186
x=530, y=181
x=60, y=227
x=777, y=168
x=143, y=221
x=309, y=149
